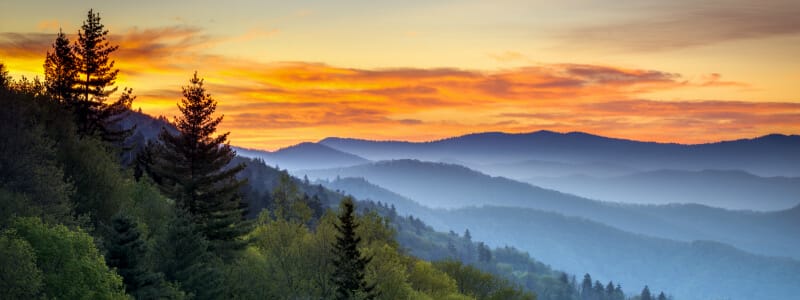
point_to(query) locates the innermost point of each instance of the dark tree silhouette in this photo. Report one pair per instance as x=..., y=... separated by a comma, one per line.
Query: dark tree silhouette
x=586, y=288
x=646, y=294
x=350, y=264
x=5, y=80
x=95, y=82
x=60, y=71
x=126, y=253
x=192, y=167
x=661, y=296
x=184, y=258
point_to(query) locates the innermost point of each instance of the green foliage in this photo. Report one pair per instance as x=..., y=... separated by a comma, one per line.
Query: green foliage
x=183, y=257
x=30, y=171
x=72, y=267
x=19, y=276
x=127, y=253
x=431, y=281
x=192, y=168
x=101, y=188
x=350, y=264
x=481, y=285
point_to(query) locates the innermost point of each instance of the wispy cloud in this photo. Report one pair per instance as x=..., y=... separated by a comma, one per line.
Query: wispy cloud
x=666, y=25
x=270, y=104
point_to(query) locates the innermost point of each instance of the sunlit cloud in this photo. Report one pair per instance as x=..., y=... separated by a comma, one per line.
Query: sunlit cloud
x=272, y=104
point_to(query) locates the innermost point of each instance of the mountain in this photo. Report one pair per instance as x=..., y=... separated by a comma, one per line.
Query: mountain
x=729, y=189
x=527, y=169
x=770, y=155
x=579, y=245
x=304, y=156
x=440, y=185
x=690, y=270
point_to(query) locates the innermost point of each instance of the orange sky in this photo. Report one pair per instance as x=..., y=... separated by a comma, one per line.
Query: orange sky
x=664, y=86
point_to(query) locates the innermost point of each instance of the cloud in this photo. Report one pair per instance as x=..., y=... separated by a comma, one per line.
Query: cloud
x=666, y=25
x=49, y=25
x=283, y=102
x=25, y=45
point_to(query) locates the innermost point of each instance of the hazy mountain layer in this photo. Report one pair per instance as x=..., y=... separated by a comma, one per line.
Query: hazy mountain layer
x=728, y=189
x=441, y=185
x=771, y=155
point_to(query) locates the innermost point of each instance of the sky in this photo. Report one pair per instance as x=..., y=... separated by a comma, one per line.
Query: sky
x=292, y=71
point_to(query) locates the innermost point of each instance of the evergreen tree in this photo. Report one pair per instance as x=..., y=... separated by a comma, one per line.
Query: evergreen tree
x=60, y=70
x=126, y=253
x=5, y=80
x=646, y=294
x=184, y=258
x=348, y=276
x=484, y=253
x=192, y=168
x=609, y=294
x=94, y=83
x=586, y=288
x=598, y=291
x=618, y=293
x=661, y=296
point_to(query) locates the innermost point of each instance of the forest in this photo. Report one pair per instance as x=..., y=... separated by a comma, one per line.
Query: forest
x=101, y=202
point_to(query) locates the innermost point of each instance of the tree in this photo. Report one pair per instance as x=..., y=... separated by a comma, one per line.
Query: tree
x=60, y=70
x=5, y=80
x=126, y=252
x=19, y=276
x=484, y=253
x=348, y=277
x=609, y=294
x=661, y=296
x=184, y=258
x=72, y=266
x=94, y=83
x=646, y=294
x=586, y=288
x=598, y=291
x=192, y=168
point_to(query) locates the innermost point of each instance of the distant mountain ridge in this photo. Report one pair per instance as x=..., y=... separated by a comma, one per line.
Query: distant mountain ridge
x=304, y=156
x=731, y=189
x=441, y=185
x=769, y=155
x=580, y=245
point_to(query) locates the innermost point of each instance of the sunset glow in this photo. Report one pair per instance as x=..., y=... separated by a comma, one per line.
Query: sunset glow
x=288, y=73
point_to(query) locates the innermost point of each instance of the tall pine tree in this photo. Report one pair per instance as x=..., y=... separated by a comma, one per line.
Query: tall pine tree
x=95, y=83
x=350, y=264
x=646, y=294
x=184, y=258
x=192, y=167
x=126, y=253
x=60, y=70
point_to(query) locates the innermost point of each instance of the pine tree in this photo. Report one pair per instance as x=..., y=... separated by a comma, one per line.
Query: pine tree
x=60, y=71
x=646, y=294
x=94, y=83
x=661, y=296
x=598, y=291
x=586, y=288
x=609, y=294
x=618, y=293
x=126, y=253
x=5, y=80
x=191, y=167
x=348, y=261
x=184, y=258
